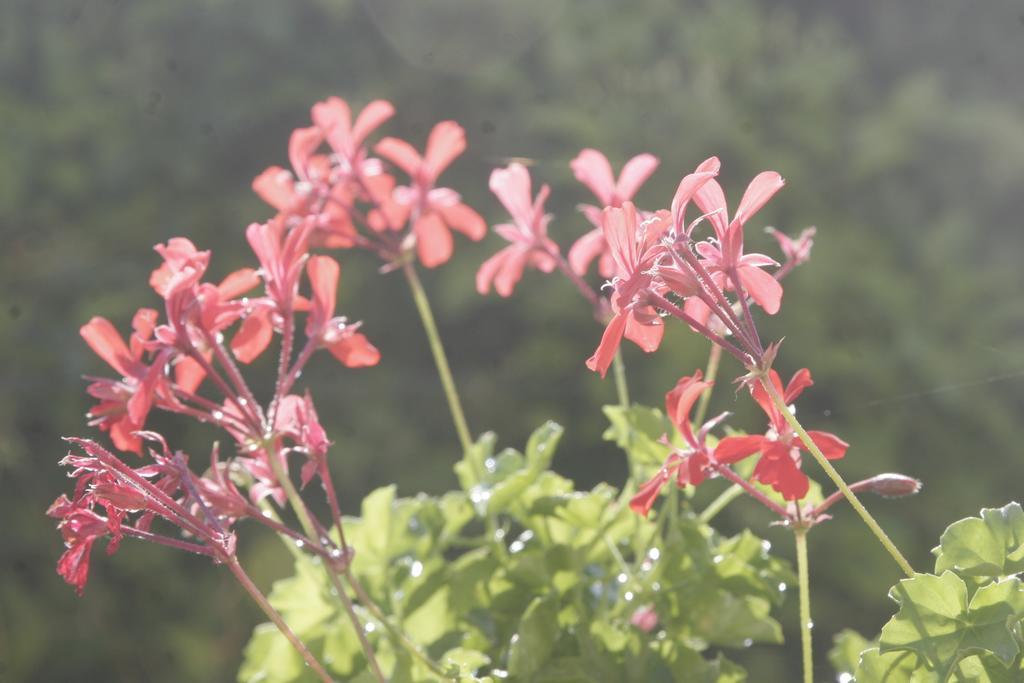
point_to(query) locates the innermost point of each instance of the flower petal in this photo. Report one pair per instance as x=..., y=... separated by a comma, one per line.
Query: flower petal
x=370, y=119
x=401, y=154
x=355, y=351
x=511, y=271
x=831, y=445
x=585, y=250
x=434, y=243
x=323, y=274
x=489, y=269
x=647, y=336
x=762, y=188
x=801, y=380
x=732, y=449
x=644, y=499
x=591, y=168
x=711, y=200
x=301, y=146
x=610, y=340
x=446, y=142
x=634, y=174
x=464, y=219
x=762, y=288
x=103, y=338
x=253, y=337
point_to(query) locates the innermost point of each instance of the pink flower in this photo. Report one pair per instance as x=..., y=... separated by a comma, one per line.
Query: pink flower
x=726, y=259
x=779, y=466
x=636, y=248
x=334, y=118
x=797, y=251
x=591, y=168
x=436, y=210
x=124, y=403
x=297, y=420
x=336, y=334
x=528, y=233
x=644, y=618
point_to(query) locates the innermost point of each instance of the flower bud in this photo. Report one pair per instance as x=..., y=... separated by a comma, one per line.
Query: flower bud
x=892, y=485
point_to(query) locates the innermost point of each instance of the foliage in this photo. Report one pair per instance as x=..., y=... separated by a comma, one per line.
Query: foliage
x=519, y=576
x=962, y=623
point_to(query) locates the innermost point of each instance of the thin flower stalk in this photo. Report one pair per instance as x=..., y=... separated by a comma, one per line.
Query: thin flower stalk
x=278, y=620
x=306, y=520
x=419, y=295
x=806, y=625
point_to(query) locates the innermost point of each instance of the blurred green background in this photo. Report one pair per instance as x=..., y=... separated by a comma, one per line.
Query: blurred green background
x=900, y=130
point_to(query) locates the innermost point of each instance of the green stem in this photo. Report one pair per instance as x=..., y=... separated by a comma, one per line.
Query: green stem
x=277, y=619
x=621, y=387
x=714, y=359
x=837, y=479
x=800, y=534
x=440, y=359
x=396, y=633
x=306, y=521
x=718, y=504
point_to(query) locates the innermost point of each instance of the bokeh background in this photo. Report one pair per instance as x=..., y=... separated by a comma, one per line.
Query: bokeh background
x=900, y=130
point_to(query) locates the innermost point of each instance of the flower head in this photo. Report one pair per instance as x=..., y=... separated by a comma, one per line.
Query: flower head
x=592, y=168
x=436, y=210
x=779, y=465
x=527, y=233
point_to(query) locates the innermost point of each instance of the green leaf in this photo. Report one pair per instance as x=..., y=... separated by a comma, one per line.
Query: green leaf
x=891, y=667
x=846, y=650
x=472, y=468
x=991, y=546
x=494, y=483
x=986, y=669
x=936, y=623
x=270, y=657
x=465, y=662
x=534, y=641
x=638, y=431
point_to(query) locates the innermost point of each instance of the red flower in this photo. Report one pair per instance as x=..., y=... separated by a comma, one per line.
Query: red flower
x=591, y=168
x=687, y=464
x=437, y=210
x=779, y=466
x=528, y=233
x=80, y=528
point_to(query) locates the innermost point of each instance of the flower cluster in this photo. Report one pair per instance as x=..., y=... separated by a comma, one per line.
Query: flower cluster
x=347, y=199
x=188, y=360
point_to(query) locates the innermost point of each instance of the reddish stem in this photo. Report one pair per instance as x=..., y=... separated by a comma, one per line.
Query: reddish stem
x=169, y=542
x=663, y=303
x=752, y=490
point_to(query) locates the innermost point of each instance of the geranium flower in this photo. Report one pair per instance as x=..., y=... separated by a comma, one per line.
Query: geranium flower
x=592, y=168
x=726, y=258
x=528, y=233
x=779, y=466
x=688, y=464
x=635, y=247
x=339, y=336
x=334, y=118
x=125, y=402
x=436, y=210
